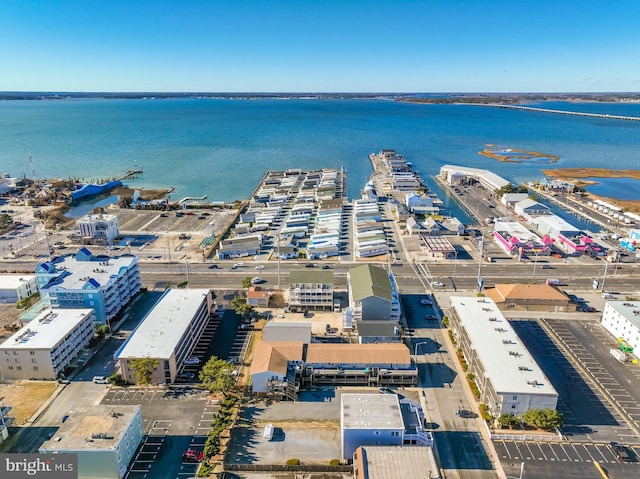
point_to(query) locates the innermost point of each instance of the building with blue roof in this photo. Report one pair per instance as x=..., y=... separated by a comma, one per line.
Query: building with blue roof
x=103, y=283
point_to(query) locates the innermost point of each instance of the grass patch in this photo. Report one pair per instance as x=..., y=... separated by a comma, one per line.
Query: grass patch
x=26, y=397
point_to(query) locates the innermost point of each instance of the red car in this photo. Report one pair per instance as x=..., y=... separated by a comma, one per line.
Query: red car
x=191, y=455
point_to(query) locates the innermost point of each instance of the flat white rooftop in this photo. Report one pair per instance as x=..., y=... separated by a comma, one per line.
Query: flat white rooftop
x=371, y=411
x=14, y=281
x=98, y=273
x=47, y=329
x=630, y=310
x=162, y=328
x=488, y=176
x=507, y=361
x=557, y=223
x=513, y=228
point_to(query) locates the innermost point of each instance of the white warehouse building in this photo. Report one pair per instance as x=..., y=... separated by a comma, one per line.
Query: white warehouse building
x=508, y=377
x=45, y=346
x=99, y=227
x=622, y=319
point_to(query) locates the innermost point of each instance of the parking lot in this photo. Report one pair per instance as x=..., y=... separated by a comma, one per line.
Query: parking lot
x=174, y=420
x=308, y=430
x=615, y=380
x=564, y=459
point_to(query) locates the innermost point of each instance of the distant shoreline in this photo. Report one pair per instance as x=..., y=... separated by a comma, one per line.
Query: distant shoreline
x=424, y=98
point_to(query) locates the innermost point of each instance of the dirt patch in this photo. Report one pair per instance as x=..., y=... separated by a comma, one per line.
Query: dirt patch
x=9, y=315
x=26, y=397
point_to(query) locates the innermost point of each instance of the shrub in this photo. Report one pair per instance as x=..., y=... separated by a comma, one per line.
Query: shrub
x=293, y=462
x=334, y=462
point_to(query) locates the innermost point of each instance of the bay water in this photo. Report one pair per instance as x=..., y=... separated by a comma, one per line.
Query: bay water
x=222, y=147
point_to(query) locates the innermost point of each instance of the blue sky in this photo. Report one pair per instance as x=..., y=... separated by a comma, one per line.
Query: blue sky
x=320, y=46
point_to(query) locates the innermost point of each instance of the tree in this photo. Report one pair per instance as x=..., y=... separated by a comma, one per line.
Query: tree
x=547, y=419
x=508, y=420
x=143, y=369
x=217, y=375
x=240, y=306
x=102, y=331
x=246, y=283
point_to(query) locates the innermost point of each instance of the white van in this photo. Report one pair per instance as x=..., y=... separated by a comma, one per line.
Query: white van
x=268, y=432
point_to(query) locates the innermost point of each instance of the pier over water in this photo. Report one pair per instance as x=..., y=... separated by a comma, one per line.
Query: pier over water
x=565, y=112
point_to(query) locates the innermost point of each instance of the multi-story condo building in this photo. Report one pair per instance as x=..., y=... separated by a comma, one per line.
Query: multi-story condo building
x=101, y=228
x=310, y=289
x=169, y=333
x=83, y=280
x=104, y=438
x=508, y=378
x=45, y=346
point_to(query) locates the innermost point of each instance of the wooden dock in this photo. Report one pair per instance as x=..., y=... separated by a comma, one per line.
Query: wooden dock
x=129, y=174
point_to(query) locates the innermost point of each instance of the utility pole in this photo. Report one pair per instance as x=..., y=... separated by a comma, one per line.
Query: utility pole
x=278, y=245
x=480, y=263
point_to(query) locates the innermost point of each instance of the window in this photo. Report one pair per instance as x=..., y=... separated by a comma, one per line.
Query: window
x=32, y=353
x=515, y=397
x=19, y=368
x=35, y=368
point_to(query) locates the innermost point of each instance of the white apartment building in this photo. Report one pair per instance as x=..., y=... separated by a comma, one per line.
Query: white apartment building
x=105, y=438
x=622, y=320
x=509, y=379
x=103, y=283
x=45, y=346
x=14, y=287
x=103, y=228
x=169, y=333
x=380, y=419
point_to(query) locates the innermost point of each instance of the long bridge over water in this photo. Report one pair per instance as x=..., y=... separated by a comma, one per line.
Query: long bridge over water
x=565, y=112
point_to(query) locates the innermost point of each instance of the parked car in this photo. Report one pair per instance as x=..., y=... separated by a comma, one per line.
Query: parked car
x=213, y=266
x=309, y=265
x=620, y=451
x=437, y=283
x=191, y=455
x=100, y=380
x=192, y=360
x=186, y=376
x=257, y=280
x=386, y=391
x=326, y=266
x=430, y=318
x=268, y=432
x=260, y=267
x=426, y=302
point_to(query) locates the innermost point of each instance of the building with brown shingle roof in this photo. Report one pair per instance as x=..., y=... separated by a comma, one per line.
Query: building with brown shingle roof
x=530, y=297
x=278, y=367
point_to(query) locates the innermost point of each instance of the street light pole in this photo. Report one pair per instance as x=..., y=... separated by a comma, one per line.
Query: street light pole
x=415, y=349
x=278, y=245
x=604, y=277
x=480, y=261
